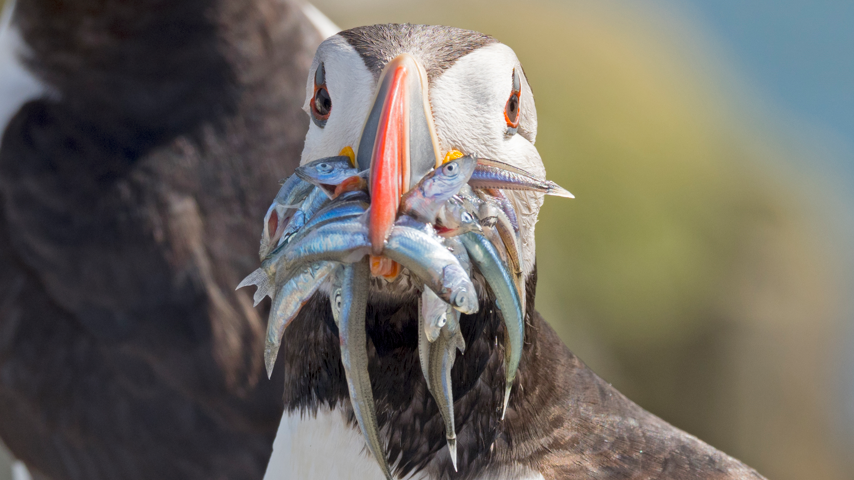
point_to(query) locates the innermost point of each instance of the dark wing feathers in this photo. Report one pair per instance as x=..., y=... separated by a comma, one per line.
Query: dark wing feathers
x=124, y=350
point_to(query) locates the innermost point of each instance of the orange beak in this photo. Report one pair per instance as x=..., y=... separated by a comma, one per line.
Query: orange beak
x=398, y=143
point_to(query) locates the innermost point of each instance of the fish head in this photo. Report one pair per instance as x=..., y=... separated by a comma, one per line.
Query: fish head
x=463, y=297
x=275, y=221
x=457, y=217
x=327, y=172
x=446, y=180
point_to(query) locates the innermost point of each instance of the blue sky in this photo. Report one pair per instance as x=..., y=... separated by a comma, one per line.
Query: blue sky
x=800, y=53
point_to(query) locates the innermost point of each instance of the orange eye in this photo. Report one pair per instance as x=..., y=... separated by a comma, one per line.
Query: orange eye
x=321, y=102
x=511, y=109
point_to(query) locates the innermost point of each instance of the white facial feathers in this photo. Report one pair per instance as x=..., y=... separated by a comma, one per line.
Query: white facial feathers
x=468, y=108
x=351, y=87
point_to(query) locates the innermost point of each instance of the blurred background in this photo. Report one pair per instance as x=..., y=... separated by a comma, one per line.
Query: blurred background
x=705, y=267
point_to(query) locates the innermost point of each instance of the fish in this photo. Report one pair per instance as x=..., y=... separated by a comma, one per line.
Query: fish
x=430, y=261
x=313, y=202
x=455, y=218
x=340, y=241
x=343, y=241
x=425, y=199
x=264, y=277
x=508, y=231
x=435, y=313
x=487, y=260
x=458, y=250
x=289, y=300
x=349, y=204
x=504, y=228
x=262, y=280
x=507, y=177
x=336, y=295
x=291, y=194
x=355, y=281
x=436, y=361
x=327, y=173
x=499, y=197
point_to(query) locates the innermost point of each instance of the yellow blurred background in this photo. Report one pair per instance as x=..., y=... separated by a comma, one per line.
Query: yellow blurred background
x=704, y=266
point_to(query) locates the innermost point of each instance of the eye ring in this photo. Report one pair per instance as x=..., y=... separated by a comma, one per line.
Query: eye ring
x=321, y=101
x=512, y=109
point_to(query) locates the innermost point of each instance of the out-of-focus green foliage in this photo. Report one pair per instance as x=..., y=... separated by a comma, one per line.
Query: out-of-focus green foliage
x=687, y=271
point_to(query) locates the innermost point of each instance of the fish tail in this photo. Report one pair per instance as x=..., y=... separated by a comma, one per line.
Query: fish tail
x=452, y=450
x=507, y=389
x=271, y=351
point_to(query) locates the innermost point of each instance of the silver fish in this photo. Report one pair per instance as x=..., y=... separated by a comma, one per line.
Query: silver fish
x=289, y=299
x=265, y=283
x=355, y=282
x=508, y=231
x=425, y=199
x=436, y=361
x=328, y=172
x=435, y=313
x=350, y=204
x=314, y=202
x=264, y=277
x=455, y=218
x=344, y=241
x=336, y=295
x=438, y=313
x=508, y=177
x=504, y=228
x=291, y=194
x=486, y=258
x=429, y=260
x=458, y=250
x=498, y=197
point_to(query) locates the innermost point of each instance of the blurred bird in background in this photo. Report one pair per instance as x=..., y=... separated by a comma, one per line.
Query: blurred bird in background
x=142, y=143
x=704, y=268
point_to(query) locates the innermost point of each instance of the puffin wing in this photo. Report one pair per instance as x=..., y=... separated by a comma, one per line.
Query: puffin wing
x=126, y=198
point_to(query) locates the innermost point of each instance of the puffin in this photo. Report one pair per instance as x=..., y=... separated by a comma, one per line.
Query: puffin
x=139, y=141
x=399, y=96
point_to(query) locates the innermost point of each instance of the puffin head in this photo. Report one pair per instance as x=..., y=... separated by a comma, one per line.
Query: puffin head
x=401, y=99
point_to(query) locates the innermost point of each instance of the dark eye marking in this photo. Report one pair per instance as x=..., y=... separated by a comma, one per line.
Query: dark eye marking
x=511, y=109
x=321, y=102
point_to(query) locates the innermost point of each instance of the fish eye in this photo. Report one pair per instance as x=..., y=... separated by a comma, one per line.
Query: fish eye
x=451, y=168
x=321, y=102
x=511, y=109
x=467, y=218
x=324, y=167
